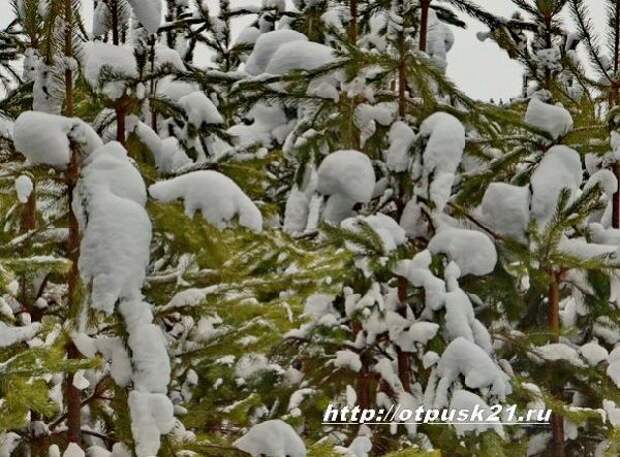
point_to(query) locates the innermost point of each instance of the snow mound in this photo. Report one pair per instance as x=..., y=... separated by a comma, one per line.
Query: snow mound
x=506, y=209
x=440, y=40
x=45, y=138
x=109, y=168
x=217, y=197
x=472, y=251
x=273, y=438
x=465, y=400
x=560, y=168
x=391, y=234
x=299, y=55
x=119, y=60
x=349, y=173
x=109, y=200
x=347, y=177
x=151, y=416
x=442, y=154
x=114, y=250
x=397, y=155
x=200, y=110
x=462, y=357
x=167, y=56
x=446, y=142
x=553, y=119
x=268, y=125
x=594, y=353
x=266, y=45
x=12, y=335
x=554, y=352
x=168, y=153
x=23, y=188
x=613, y=370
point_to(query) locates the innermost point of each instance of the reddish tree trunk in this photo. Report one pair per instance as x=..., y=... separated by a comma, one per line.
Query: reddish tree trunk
x=74, y=406
x=404, y=358
x=425, y=6
x=615, y=218
x=353, y=24
x=121, y=115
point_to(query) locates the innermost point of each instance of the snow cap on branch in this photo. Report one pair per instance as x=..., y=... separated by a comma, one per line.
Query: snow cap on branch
x=217, y=197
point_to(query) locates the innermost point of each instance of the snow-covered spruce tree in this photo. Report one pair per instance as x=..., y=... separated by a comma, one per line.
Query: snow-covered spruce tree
x=573, y=216
x=322, y=93
x=604, y=59
x=97, y=210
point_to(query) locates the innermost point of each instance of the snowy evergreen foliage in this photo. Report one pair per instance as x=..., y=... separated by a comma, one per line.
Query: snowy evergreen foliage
x=198, y=257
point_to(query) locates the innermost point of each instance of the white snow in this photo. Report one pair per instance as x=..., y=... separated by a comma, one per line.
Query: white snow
x=151, y=416
x=559, y=168
x=613, y=370
x=348, y=359
x=12, y=335
x=418, y=274
x=553, y=119
x=168, y=153
x=268, y=123
x=594, y=353
x=557, y=351
x=120, y=60
x=347, y=177
x=506, y=210
x=472, y=251
x=200, y=110
x=391, y=234
x=442, y=154
x=465, y=400
x=73, y=450
x=266, y=45
x=217, y=197
x=299, y=55
x=401, y=137
x=23, y=187
x=45, y=138
x=117, y=231
x=466, y=358
x=166, y=56
x=273, y=438
x=440, y=40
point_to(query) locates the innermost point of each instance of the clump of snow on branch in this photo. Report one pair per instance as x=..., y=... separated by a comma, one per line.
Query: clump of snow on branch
x=273, y=438
x=553, y=119
x=347, y=178
x=215, y=195
x=46, y=138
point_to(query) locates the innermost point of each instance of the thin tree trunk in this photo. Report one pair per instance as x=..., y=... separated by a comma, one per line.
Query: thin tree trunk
x=74, y=406
x=615, y=218
x=72, y=394
x=404, y=358
x=363, y=376
x=121, y=115
x=115, y=24
x=615, y=221
x=402, y=79
x=425, y=6
x=557, y=421
x=353, y=24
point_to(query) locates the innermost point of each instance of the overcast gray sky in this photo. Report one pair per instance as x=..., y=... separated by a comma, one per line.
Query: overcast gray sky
x=481, y=69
